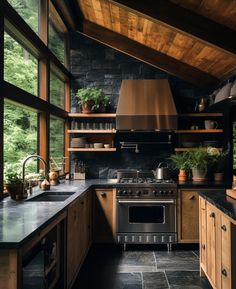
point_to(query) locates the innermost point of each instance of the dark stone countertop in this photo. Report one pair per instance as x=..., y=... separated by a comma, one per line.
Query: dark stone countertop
x=223, y=202
x=20, y=220
x=202, y=185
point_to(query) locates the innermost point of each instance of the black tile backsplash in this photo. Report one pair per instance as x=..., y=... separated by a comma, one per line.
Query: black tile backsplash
x=94, y=64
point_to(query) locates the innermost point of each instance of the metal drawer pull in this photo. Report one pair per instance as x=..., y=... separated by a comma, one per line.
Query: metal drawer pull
x=147, y=202
x=103, y=194
x=212, y=215
x=192, y=198
x=224, y=272
x=223, y=227
x=203, y=246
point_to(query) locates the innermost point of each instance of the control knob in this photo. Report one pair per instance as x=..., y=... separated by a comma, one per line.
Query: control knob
x=138, y=193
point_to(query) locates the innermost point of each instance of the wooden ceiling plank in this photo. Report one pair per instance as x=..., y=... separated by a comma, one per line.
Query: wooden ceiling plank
x=105, y=6
x=115, y=18
x=185, y=21
x=123, y=21
x=147, y=55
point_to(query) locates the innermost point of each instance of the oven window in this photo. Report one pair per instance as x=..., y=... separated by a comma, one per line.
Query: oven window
x=146, y=214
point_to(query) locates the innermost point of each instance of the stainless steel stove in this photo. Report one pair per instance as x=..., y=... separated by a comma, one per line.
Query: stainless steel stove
x=146, y=209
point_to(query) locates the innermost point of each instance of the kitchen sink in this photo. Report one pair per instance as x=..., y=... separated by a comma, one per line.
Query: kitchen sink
x=51, y=197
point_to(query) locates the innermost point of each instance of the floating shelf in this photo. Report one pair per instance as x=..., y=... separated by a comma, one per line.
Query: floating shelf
x=190, y=149
x=91, y=150
x=200, y=114
x=91, y=115
x=91, y=131
x=199, y=131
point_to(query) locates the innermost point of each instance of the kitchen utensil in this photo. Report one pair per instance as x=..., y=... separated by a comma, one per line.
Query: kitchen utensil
x=107, y=145
x=162, y=171
x=210, y=124
x=98, y=145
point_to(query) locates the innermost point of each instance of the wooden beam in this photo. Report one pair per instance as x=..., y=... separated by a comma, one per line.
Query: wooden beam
x=192, y=24
x=148, y=55
x=21, y=96
x=1, y=100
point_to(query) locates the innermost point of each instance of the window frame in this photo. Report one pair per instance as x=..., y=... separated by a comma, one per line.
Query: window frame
x=36, y=44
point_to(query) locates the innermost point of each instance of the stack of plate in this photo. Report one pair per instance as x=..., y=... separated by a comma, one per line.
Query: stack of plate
x=78, y=142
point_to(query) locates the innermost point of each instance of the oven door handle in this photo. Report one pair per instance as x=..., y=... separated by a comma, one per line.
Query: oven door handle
x=147, y=202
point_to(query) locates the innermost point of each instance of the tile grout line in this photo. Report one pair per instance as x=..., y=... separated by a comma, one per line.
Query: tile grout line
x=155, y=259
x=195, y=254
x=142, y=279
x=167, y=279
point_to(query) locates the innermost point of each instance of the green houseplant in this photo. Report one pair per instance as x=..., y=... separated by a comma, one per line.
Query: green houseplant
x=14, y=184
x=180, y=162
x=92, y=99
x=199, y=161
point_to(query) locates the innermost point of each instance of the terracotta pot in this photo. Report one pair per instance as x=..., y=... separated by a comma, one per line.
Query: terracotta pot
x=182, y=176
x=218, y=177
x=86, y=107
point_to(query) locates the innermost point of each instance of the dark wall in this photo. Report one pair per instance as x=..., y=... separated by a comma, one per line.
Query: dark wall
x=94, y=64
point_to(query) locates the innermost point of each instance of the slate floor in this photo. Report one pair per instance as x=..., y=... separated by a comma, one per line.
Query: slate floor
x=138, y=268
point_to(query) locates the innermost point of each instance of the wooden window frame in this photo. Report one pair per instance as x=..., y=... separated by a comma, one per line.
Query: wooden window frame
x=12, y=22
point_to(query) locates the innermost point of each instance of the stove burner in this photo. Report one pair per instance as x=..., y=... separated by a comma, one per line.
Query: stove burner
x=144, y=181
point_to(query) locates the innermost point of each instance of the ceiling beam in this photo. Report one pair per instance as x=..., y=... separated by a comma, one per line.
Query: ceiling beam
x=185, y=21
x=148, y=55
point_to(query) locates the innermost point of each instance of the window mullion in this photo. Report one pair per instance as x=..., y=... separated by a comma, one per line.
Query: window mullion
x=1, y=100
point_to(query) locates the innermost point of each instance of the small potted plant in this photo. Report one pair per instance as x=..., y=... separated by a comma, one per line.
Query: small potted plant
x=14, y=185
x=92, y=99
x=218, y=162
x=180, y=162
x=199, y=161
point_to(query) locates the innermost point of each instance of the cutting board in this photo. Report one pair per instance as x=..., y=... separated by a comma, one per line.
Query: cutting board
x=231, y=193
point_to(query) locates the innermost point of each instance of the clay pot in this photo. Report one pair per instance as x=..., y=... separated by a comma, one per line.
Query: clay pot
x=182, y=176
x=218, y=177
x=86, y=107
x=199, y=175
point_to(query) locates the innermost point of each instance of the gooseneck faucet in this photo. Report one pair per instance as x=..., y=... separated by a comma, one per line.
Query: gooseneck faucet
x=24, y=163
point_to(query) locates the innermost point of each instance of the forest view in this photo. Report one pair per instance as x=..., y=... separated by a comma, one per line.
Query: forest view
x=21, y=124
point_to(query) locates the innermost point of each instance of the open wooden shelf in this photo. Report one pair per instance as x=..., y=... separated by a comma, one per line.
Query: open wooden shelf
x=199, y=114
x=190, y=149
x=91, y=150
x=91, y=131
x=91, y=115
x=199, y=131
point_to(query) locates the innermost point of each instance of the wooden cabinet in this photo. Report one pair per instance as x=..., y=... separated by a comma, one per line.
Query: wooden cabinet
x=217, y=246
x=104, y=213
x=78, y=235
x=188, y=217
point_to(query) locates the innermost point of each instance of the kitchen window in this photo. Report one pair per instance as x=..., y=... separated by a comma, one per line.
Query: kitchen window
x=20, y=67
x=57, y=91
x=56, y=140
x=20, y=137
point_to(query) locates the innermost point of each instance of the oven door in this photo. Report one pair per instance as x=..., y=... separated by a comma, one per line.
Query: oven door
x=146, y=216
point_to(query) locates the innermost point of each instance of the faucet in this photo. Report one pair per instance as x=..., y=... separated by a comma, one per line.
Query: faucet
x=23, y=168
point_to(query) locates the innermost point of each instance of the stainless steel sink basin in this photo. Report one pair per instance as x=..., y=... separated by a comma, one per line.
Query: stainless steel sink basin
x=51, y=197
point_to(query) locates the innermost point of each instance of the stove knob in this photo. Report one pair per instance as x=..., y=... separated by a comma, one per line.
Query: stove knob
x=138, y=193
x=125, y=192
x=161, y=192
x=154, y=192
x=165, y=192
x=119, y=192
x=171, y=192
x=129, y=192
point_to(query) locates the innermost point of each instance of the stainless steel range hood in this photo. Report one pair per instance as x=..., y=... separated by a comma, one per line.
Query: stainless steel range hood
x=146, y=105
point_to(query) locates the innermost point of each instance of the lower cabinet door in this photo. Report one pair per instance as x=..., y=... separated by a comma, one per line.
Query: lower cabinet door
x=225, y=253
x=203, y=233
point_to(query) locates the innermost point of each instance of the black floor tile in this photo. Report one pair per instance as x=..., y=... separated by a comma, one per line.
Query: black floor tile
x=155, y=280
x=177, y=260
x=186, y=280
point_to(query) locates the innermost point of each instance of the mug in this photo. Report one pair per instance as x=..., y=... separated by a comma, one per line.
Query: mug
x=210, y=124
x=194, y=127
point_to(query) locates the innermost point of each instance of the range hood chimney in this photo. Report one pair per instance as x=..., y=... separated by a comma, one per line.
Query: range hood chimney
x=146, y=105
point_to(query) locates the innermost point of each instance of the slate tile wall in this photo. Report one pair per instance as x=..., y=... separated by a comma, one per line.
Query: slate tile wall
x=94, y=64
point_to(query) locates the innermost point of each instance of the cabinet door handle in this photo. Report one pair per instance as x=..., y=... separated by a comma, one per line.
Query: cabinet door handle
x=224, y=272
x=192, y=198
x=103, y=194
x=223, y=227
x=203, y=246
x=212, y=215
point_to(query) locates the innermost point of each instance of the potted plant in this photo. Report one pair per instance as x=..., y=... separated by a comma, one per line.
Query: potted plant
x=14, y=185
x=218, y=162
x=92, y=99
x=180, y=162
x=199, y=161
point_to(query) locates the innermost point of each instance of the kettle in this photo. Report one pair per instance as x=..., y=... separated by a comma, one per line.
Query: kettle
x=162, y=172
